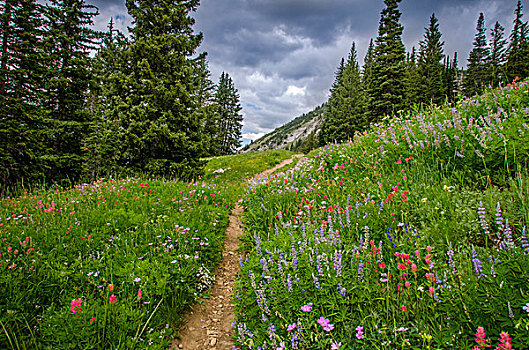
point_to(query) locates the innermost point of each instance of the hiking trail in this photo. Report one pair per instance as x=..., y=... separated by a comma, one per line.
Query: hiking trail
x=208, y=324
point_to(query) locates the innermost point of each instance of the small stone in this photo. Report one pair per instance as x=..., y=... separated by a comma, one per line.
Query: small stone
x=220, y=306
x=180, y=346
x=213, y=342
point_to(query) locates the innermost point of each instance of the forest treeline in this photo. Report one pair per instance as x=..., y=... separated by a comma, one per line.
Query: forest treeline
x=393, y=80
x=77, y=104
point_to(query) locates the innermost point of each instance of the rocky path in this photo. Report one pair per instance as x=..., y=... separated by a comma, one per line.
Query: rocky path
x=208, y=324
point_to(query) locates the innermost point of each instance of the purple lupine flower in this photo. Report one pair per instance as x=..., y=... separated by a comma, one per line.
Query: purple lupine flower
x=318, y=265
x=271, y=331
x=341, y=290
x=451, y=261
x=338, y=263
x=294, y=341
x=316, y=282
x=289, y=283
x=478, y=268
x=360, y=270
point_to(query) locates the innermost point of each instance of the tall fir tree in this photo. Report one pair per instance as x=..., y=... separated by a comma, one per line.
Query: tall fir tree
x=346, y=112
x=387, y=89
x=414, y=84
x=430, y=64
x=498, y=56
x=159, y=105
x=228, y=136
x=367, y=73
x=69, y=40
x=451, y=78
x=325, y=126
x=476, y=75
x=518, y=50
x=21, y=79
x=110, y=67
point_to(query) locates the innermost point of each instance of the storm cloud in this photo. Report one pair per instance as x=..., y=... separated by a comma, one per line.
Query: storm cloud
x=282, y=54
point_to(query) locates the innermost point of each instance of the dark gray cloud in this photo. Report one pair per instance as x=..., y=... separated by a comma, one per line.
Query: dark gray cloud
x=282, y=54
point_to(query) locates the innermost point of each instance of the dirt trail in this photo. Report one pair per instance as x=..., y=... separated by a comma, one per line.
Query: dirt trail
x=208, y=326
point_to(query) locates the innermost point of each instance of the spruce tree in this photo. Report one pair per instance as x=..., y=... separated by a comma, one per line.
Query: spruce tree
x=324, y=135
x=69, y=41
x=228, y=137
x=110, y=67
x=367, y=74
x=414, y=81
x=346, y=112
x=518, y=50
x=451, y=78
x=387, y=90
x=159, y=105
x=498, y=57
x=429, y=64
x=476, y=75
x=21, y=79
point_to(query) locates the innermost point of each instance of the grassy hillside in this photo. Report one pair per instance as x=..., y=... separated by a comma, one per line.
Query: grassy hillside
x=411, y=237
x=293, y=135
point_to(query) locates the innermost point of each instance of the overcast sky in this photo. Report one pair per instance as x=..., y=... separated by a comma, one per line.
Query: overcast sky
x=282, y=54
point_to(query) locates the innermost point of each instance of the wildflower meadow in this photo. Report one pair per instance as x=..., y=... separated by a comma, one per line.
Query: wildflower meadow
x=412, y=236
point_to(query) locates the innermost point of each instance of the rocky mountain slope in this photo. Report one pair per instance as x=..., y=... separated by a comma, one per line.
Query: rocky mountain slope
x=299, y=135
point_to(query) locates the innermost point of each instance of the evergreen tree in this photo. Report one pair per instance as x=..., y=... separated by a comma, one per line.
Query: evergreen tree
x=21, y=79
x=159, y=105
x=229, y=120
x=367, y=74
x=69, y=40
x=429, y=65
x=347, y=108
x=414, y=80
x=451, y=78
x=518, y=50
x=325, y=126
x=387, y=90
x=476, y=75
x=111, y=66
x=498, y=57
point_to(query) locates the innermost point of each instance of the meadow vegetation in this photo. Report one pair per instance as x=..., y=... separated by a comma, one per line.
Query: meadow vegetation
x=413, y=236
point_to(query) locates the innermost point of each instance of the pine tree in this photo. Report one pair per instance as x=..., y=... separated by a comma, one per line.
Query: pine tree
x=21, y=79
x=387, y=89
x=498, y=57
x=476, y=75
x=229, y=118
x=346, y=112
x=69, y=40
x=159, y=105
x=429, y=64
x=518, y=50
